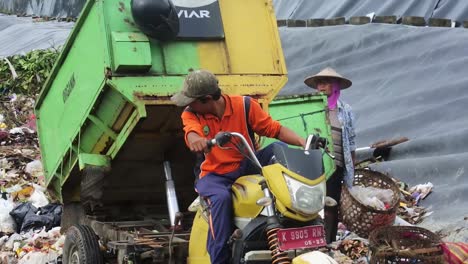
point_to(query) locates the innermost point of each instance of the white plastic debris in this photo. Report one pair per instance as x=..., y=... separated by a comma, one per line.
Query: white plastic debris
x=401, y=222
x=35, y=257
x=21, y=130
x=3, y=240
x=314, y=257
x=14, y=75
x=7, y=223
x=34, y=168
x=13, y=238
x=371, y=196
x=38, y=198
x=423, y=189
x=13, y=98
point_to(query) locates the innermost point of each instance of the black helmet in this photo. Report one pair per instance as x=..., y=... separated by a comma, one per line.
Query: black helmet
x=156, y=18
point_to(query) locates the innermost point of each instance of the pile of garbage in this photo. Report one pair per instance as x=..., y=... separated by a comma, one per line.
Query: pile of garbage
x=29, y=223
x=350, y=250
x=409, y=209
x=16, y=113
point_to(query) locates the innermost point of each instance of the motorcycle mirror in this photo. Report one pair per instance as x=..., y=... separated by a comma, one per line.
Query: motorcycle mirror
x=264, y=201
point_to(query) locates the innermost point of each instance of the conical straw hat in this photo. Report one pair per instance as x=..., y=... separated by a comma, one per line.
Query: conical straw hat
x=328, y=72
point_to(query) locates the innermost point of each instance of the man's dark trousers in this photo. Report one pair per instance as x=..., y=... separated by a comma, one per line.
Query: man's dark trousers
x=216, y=189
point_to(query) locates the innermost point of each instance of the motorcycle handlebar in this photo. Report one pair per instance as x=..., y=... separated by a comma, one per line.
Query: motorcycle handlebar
x=317, y=142
x=210, y=143
x=220, y=139
x=224, y=137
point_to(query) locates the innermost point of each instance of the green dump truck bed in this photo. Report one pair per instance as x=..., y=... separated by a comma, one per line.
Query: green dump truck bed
x=305, y=115
x=107, y=100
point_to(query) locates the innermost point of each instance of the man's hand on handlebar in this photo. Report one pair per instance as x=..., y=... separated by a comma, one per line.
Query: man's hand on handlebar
x=197, y=143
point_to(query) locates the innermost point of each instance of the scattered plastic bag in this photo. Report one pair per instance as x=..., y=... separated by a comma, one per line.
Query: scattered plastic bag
x=28, y=217
x=34, y=168
x=34, y=221
x=421, y=191
x=13, y=238
x=20, y=212
x=7, y=223
x=314, y=257
x=38, y=197
x=401, y=222
x=377, y=198
x=21, y=130
x=35, y=257
x=55, y=210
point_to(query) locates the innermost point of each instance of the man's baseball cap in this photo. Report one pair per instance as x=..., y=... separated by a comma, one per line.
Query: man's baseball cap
x=197, y=84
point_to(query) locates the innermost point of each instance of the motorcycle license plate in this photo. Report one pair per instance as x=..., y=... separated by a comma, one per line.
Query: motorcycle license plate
x=302, y=237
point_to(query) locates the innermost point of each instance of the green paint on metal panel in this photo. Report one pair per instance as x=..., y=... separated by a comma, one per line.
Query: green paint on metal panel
x=137, y=89
x=76, y=88
x=130, y=52
x=65, y=107
x=181, y=57
x=129, y=36
x=157, y=57
x=123, y=135
x=94, y=160
x=305, y=115
x=171, y=58
x=107, y=130
x=66, y=48
x=111, y=105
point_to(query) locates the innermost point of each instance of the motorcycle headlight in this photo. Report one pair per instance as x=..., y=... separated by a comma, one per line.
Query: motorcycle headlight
x=305, y=198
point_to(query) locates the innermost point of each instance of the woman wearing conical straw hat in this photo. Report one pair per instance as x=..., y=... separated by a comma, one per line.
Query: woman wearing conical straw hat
x=330, y=82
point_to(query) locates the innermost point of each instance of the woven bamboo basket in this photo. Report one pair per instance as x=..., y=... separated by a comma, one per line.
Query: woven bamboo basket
x=405, y=244
x=361, y=218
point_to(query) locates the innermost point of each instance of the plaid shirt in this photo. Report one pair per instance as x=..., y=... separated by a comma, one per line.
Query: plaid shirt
x=346, y=118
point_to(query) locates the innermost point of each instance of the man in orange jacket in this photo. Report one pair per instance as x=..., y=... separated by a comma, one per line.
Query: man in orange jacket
x=208, y=112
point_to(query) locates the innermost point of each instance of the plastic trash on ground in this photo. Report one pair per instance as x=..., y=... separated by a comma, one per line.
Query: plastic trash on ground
x=34, y=168
x=38, y=197
x=421, y=191
x=38, y=257
x=314, y=257
x=7, y=223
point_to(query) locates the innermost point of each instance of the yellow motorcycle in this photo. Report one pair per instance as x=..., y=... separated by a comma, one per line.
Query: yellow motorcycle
x=275, y=213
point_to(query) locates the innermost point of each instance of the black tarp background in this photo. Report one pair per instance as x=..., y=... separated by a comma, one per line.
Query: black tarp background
x=55, y=8
x=19, y=35
x=303, y=9
x=407, y=81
